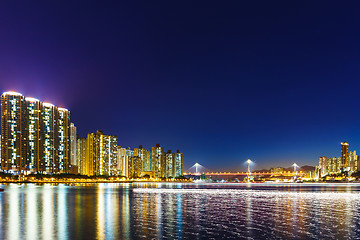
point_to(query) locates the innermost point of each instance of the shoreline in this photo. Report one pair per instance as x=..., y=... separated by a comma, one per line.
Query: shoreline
x=188, y=182
x=69, y=182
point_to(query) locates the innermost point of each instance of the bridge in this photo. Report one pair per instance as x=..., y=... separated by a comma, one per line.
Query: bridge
x=198, y=170
x=286, y=173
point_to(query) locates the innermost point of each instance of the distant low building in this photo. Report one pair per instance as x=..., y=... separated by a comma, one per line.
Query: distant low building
x=277, y=170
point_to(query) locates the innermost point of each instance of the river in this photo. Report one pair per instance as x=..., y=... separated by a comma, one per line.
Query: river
x=180, y=211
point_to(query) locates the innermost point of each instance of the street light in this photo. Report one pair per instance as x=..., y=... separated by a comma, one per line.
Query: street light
x=295, y=166
x=196, y=167
x=248, y=172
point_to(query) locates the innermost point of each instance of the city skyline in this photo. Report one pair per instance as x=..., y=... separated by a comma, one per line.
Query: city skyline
x=222, y=83
x=241, y=166
x=73, y=134
x=37, y=114
x=39, y=138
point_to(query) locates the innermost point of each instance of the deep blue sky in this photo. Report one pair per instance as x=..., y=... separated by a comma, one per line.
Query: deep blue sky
x=276, y=82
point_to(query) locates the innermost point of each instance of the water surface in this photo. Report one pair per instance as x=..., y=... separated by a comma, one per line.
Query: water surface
x=180, y=211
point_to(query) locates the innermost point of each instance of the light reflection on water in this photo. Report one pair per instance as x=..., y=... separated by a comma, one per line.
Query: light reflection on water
x=180, y=211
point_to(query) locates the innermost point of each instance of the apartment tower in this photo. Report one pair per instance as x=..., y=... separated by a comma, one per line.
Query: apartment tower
x=14, y=137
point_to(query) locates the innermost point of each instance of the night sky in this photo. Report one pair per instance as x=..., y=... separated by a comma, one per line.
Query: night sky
x=223, y=81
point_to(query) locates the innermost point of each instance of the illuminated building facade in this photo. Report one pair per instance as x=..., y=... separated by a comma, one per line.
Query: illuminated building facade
x=62, y=159
x=178, y=164
x=347, y=162
x=49, y=138
x=34, y=154
x=158, y=161
x=345, y=156
x=101, y=154
x=337, y=164
x=35, y=135
x=38, y=137
x=110, y=155
x=353, y=161
x=133, y=163
x=334, y=165
x=323, y=169
x=119, y=162
x=82, y=164
x=135, y=166
x=90, y=155
x=73, y=144
x=137, y=161
x=277, y=170
x=169, y=164
x=13, y=132
x=124, y=155
x=49, y=132
x=98, y=153
x=145, y=158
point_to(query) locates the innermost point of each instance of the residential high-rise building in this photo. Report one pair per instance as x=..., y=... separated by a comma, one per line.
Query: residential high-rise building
x=329, y=166
x=38, y=137
x=147, y=162
x=13, y=132
x=81, y=161
x=124, y=155
x=353, y=161
x=178, y=164
x=102, y=154
x=138, y=162
x=99, y=153
x=345, y=155
x=34, y=153
x=135, y=166
x=317, y=172
x=91, y=154
x=323, y=169
x=169, y=164
x=35, y=135
x=158, y=161
x=63, y=141
x=110, y=155
x=338, y=164
x=173, y=164
x=73, y=145
x=334, y=165
x=49, y=138
x=119, y=162
x=144, y=156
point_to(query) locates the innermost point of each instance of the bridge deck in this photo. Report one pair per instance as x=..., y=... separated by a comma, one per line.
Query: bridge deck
x=245, y=173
